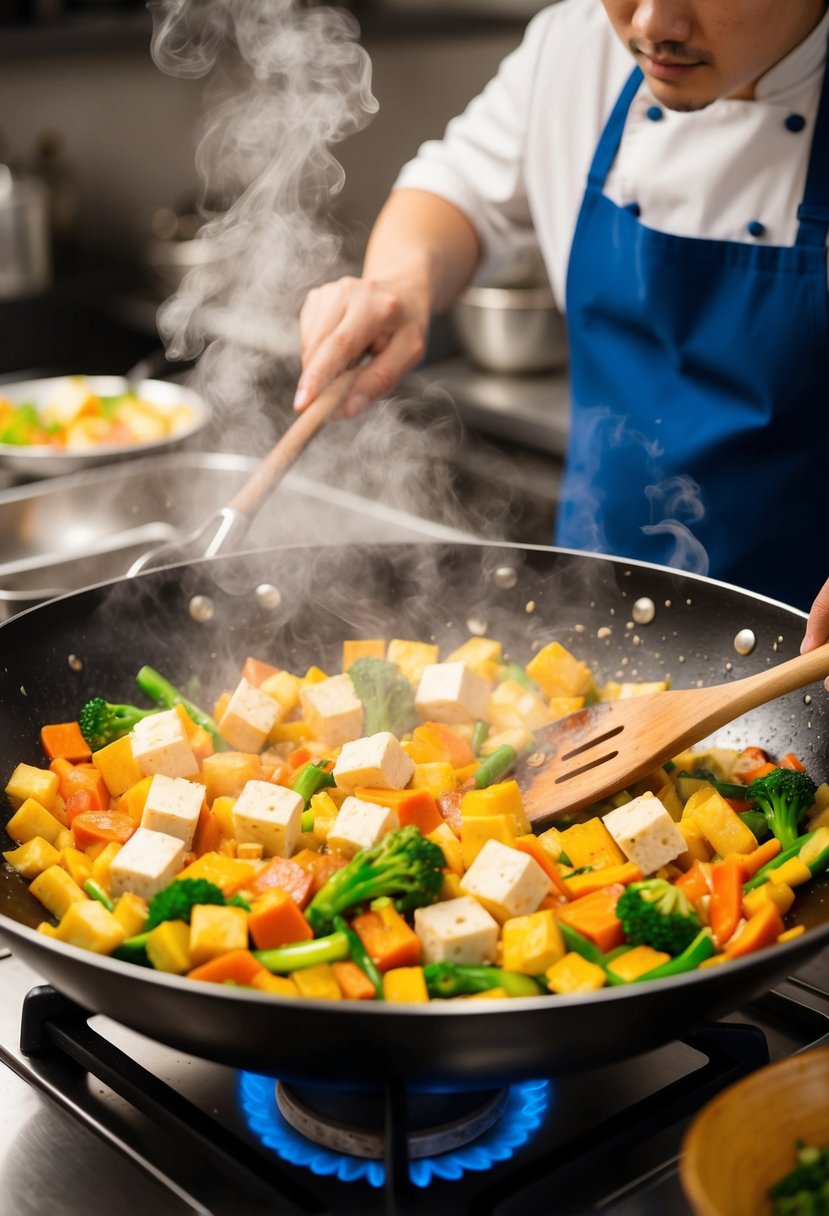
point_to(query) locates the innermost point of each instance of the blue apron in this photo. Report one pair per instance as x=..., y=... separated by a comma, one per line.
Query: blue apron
x=700, y=390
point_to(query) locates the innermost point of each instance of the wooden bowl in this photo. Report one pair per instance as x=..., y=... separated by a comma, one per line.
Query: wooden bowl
x=743, y=1141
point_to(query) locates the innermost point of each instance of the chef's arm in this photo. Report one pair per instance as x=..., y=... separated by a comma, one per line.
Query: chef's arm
x=421, y=254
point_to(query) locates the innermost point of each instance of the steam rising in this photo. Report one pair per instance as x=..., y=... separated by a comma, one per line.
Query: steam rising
x=289, y=84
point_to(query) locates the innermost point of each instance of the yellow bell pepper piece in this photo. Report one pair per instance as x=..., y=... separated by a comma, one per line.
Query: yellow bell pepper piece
x=574, y=974
x=722, y=827
x=32, y=819
x=476, y=832
x=228, y=873
x=168, y=947
x=317, y=983
x=33, y=857
x=26, y=781
x=90, y=926
x=638, y=961
x=405, y=984
x=131, y=912
x=116, y=765
x=780, y=894
x=56, y=890
x=558, y=673
x=532, y=943
x=794, y=872
x=590, y=844
x=215, y=930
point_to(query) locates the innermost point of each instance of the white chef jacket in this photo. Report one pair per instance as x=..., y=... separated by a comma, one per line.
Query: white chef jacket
x=516, y=161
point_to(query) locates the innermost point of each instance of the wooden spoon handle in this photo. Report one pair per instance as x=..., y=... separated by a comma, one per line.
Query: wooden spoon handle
x=751, y=691
x=285, y=452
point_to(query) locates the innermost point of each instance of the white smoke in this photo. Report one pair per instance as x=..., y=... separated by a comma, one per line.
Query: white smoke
x=288, y=84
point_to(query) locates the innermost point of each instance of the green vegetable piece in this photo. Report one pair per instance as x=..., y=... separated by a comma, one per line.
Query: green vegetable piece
x=784, y=796
x=447, y=980
x=298, y=955
x=403, y=865
x=177, y=900
x=312, y=777
x=307, y=821
x=102, y=722
x=360, y=956
x=658, y=914
x=95, y=891
x=701, y=948
x=479, y=734
x=154, y=685
x=134, y=950
x=386, y=695
x=785, y=855
x=495, y=766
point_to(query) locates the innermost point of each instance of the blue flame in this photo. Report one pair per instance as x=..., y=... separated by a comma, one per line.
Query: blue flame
x=526, y=1105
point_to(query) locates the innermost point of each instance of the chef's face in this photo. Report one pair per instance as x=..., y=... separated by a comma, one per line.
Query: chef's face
x=696, y=51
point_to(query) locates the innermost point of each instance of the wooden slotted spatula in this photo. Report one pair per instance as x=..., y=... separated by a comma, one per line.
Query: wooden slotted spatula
x=599, y=750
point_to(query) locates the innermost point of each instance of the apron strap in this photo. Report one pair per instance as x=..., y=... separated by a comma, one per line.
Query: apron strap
x=608, y=145
x=813, y=212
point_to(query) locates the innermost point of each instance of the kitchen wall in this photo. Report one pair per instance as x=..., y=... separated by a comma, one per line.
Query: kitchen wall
x=129, y=131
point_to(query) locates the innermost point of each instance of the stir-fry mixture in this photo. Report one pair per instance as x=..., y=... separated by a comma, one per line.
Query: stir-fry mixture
x=75, y=417
x=361, y=834
x=804, y=1191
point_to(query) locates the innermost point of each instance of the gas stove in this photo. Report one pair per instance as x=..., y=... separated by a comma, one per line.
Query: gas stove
x=101, y=1120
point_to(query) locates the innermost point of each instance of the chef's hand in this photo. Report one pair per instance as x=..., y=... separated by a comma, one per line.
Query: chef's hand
x=341, y=321
x=817, y=626
x=421, y=254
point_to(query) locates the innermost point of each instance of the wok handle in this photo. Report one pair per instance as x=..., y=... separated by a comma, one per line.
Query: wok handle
x=267, y=476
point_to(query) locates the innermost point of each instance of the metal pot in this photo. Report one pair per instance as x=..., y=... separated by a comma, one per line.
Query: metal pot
x=25, y=253
x=294, y=606
x=512, y=328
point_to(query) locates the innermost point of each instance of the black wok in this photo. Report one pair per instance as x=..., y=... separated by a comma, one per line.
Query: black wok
x=294, y=607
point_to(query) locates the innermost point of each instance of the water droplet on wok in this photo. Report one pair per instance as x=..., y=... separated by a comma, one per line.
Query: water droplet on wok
x=529, y=606
x=745, y=641
x=201, y=608
x=75, y=664
x=476, y=625
x=268, y=596
x=505, y=577
x=807, y=700
x=644, y=610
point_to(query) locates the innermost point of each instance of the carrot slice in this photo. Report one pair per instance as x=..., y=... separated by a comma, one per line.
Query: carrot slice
x=790, y=760
x=354, y=983
x=237, y=966
x=64, y=740
x=255, y=671
x=97, y=827
x=388, y=940
x=726, y=898
x=761, y=929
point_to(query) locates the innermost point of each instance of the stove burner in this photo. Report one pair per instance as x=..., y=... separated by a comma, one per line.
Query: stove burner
x=504, y=1122
x=354, y=1122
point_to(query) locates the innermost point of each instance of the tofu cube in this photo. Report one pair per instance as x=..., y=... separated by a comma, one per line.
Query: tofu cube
x=249, y=717
x=376, y=761
x=332, y=710
x=360, y=824
x=645, y=833
x=451, y=692
x=160, y=745
x=456, y=931
x=173, y=805
x=146, y=863
x=270, y=815
x=506, y=881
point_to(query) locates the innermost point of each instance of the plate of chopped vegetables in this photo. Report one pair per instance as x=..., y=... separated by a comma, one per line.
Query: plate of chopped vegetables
x=62, y=424
x=302, y=808
x=734, y=1164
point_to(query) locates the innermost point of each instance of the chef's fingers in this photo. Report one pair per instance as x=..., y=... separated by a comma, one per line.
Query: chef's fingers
x=400, y=352
x=339, y=326
x=817, y=626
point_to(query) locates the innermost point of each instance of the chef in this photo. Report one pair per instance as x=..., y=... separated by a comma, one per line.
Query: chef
x=671, y=160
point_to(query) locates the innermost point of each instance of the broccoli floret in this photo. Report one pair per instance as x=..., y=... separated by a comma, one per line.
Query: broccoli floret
x=386, y=695
x=403, y=865
x=656, y=913
x=784, y=796
x=177, y=900
x=102, y=723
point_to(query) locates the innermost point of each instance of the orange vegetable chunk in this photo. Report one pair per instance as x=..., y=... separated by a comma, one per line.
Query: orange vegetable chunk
x=237, y=966
x=64, y=739
x=284, y=873
x=102, y=827
x=594, y=916
x=388, y=940
x=275, y=920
